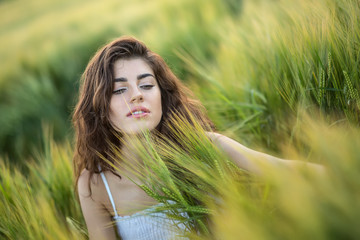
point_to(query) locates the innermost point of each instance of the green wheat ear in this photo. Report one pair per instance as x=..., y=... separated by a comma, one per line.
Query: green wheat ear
x=202, y=226
x=321, y=91
x=150, y=192
x=217, y=166
x=198, y=209
x=172, y=195
x=352, y=91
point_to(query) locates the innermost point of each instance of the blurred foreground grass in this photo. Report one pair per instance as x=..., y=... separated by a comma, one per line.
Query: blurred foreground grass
x=284, y=204
x=258, y=67
x=42, y=203
x=300, y=204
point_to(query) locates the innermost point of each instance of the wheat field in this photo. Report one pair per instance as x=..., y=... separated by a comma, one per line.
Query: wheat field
x=281, y=77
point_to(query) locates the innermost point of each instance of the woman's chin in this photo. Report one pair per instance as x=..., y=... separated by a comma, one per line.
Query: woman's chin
x=138, y=130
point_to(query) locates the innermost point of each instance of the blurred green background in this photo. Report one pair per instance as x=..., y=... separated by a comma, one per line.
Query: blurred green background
x=252, y=63
x=45, y=46
x=258, y=66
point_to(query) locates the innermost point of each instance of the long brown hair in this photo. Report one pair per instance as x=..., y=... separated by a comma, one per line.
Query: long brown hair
x=91, y=121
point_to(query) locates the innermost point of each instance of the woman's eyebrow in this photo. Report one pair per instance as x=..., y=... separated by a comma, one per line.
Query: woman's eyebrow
x=120, y=79
x=144, y=75
x=139, y=77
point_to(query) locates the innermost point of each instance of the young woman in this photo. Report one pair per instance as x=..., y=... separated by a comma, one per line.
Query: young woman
x=125, y=89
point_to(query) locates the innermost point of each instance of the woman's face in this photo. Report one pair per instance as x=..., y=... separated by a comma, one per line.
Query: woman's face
x=135, y=103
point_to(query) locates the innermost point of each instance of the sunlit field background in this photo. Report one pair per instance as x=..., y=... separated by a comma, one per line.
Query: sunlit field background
x=281, y=77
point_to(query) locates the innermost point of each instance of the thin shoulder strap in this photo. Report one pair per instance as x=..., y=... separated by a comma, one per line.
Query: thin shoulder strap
x=108, y=190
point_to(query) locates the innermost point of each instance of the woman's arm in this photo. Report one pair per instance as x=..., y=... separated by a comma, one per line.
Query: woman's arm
x=98, y=219
x=251, y=160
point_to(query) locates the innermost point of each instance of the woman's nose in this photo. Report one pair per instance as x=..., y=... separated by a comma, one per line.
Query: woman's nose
x=137, y=95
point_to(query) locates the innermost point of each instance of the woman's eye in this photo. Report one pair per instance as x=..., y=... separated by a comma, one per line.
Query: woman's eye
x=119, y=91
x=147, y=86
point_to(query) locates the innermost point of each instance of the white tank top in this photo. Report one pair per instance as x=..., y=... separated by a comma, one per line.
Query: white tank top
x=145, y=225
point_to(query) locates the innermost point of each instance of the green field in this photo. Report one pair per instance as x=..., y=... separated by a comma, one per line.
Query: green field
x=278, y=76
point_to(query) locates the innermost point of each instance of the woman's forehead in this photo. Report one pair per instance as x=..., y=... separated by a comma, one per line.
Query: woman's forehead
x=130, y=67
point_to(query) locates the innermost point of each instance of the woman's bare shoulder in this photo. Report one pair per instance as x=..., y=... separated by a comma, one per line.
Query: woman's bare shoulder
x=90, y=184
x=92, y=195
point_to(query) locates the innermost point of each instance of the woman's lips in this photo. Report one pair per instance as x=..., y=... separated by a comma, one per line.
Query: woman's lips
x=138, y=112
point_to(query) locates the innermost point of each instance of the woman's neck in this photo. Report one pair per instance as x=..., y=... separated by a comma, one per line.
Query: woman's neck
x=130, y=153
